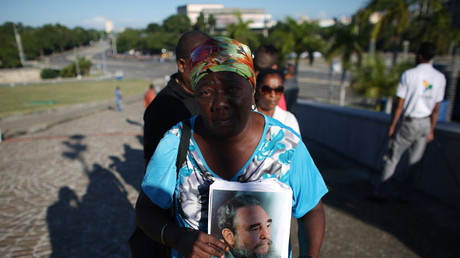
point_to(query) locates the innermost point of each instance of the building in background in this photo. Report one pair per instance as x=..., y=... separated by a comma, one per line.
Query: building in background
x=261, y=21
x=193, y=11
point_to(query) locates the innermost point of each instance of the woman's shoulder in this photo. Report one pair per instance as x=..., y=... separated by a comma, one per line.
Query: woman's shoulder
x=287, y=118
x=176, y=130
x=275, y=126
x=279, y=112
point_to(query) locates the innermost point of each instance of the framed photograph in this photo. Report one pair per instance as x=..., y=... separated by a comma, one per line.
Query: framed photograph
x=252, y=218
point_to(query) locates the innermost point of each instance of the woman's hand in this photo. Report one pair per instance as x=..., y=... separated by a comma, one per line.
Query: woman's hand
x=194, y=243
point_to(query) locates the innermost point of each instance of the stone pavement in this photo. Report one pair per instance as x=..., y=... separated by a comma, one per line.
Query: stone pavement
x=69, y=191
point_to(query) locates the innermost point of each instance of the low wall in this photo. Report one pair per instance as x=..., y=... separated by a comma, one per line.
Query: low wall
x=361, y=136
x=19, y=75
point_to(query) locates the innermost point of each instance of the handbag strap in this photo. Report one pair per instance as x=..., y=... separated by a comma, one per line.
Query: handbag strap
x=183, y=145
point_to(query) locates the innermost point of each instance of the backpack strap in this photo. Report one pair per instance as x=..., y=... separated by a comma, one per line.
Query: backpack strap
x=183, y=145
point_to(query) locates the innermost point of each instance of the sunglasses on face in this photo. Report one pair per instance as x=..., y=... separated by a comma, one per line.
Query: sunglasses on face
x=268, y=90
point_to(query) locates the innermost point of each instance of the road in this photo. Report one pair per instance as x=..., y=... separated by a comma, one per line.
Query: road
x=314, y=81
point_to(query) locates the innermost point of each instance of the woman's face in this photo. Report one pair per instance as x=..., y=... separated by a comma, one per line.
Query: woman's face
x=267, y=96
x=224, y=100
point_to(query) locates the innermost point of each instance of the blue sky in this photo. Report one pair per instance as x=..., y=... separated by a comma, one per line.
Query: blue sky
x=139, y=13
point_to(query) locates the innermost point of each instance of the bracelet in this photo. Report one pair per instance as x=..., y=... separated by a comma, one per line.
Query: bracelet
x=162, y=231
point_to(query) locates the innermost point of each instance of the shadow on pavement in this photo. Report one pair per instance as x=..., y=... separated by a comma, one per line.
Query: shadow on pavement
x=130, y=169
x=99, y=224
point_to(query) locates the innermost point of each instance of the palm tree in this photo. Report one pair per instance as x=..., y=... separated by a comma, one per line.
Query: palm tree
x=366, y=20
x=435, y=24
x=212, y=24
x=296, y=37
x=345, y=44
x=396, y=17
x=374, y=80
x=242, y=32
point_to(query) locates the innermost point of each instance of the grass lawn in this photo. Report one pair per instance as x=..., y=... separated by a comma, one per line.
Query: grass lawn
x=32, y=98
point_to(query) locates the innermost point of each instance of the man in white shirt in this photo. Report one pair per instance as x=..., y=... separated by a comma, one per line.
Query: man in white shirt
x=419, y=93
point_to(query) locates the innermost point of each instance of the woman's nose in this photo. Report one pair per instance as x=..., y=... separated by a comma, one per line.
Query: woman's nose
x=220, y=100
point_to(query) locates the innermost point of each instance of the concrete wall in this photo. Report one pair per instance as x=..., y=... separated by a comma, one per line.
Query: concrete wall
x=19, y=75
x=361, y=136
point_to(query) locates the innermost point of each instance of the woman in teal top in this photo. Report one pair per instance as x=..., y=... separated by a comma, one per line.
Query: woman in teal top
x=229, y=142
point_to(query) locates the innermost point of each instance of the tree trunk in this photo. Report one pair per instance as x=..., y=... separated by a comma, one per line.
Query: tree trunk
x=342, y=88
x=389, y=105
x=396, y=51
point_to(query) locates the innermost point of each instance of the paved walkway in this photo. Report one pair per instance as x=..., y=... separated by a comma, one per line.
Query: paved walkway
x=69, y=190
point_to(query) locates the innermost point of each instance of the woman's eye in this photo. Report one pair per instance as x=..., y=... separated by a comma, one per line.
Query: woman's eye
x=232, y=89
x=205, y=93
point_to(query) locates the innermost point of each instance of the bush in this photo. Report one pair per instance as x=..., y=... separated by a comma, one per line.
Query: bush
x=71, y=71
x=49, y=73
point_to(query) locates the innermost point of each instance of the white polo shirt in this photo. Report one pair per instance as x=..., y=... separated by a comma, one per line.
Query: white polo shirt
x=421, y=88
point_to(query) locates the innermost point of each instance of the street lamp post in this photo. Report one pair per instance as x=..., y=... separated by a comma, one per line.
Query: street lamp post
x=114, y=44
x=19, y=42
x=77, y=65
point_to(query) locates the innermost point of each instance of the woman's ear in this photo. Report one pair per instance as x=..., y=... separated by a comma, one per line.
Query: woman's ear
x=181, y=63
x=229, y=237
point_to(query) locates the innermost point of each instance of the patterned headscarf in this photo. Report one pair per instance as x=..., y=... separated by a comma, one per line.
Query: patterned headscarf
x=221, y=54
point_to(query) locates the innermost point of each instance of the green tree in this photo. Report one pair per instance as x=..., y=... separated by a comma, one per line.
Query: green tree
x=30, y=42
x=368, y=31
x=65, y=39
x=177, y=23
x=154, y=43
x=345, y=44
x=200, y=23
x=40, y=41
x=48, y=73
x=396, y=18
x=241, y=31
x=71, y=70
x=296, y=37
x=434, y=25
x=9, y=55
x=81, y=36
x=159, y=40
x=212, y=23
x=49, y=39
x=374, y=80
x=153, y=27
x=128, y=39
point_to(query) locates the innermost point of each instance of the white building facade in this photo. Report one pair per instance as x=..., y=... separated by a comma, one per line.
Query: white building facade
x=260, y=20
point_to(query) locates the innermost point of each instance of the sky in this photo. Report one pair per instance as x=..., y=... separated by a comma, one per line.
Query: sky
x=139, y=13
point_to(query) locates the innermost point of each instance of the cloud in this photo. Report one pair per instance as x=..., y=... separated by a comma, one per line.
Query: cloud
x=98, y=22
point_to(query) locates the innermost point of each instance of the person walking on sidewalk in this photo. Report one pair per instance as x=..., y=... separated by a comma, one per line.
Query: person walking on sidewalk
x=149, y=96
x=118, y=98
x=419, y=93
